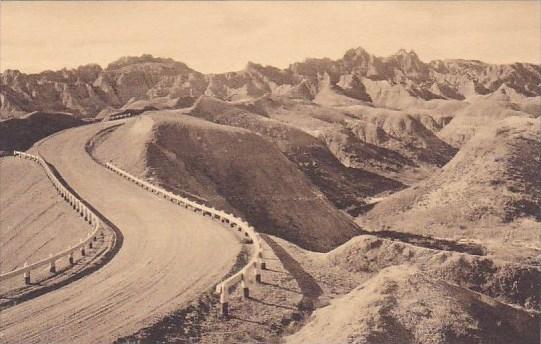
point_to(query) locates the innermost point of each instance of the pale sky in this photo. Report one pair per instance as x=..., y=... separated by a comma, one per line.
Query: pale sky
x=224, y=36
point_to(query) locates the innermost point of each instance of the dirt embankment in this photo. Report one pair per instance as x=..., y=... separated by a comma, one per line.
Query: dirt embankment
x=36, y=221
x=403, y=305
x=505, y=281
x=169, y=256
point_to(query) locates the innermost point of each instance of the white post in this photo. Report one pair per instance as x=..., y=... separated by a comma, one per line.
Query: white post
x=26, y=274
x=52, y=265
x=244, y=286
x=257, y=272
x=260, y=261
x=224, y=300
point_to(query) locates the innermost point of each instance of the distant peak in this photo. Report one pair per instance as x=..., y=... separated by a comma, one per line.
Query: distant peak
x=145, y=58
x=253, y=65
x=404, y=52
x=11, y=72
x=359, y=51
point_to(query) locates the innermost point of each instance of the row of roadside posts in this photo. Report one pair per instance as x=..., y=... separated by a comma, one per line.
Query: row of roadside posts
x=250, y=274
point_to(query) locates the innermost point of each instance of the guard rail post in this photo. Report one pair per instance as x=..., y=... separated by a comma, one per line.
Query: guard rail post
x=52, y=264
x=257, y=272
x=244, y=286
x=260, y=261
x=26, y=274
x=224, y=300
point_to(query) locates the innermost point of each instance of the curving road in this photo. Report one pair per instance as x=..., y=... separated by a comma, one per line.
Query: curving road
x=169, y=256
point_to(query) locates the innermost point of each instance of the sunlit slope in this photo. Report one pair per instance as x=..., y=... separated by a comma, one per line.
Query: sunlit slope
x=35, y=220
x=403, y=305
x=491, y=187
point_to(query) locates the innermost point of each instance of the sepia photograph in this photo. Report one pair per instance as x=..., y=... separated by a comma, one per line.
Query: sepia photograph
x=281, y=172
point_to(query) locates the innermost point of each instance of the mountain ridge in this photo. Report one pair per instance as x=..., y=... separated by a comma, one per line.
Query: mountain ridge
x=359, y=75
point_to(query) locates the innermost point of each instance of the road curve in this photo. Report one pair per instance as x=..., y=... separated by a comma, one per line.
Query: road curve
x=168, y=257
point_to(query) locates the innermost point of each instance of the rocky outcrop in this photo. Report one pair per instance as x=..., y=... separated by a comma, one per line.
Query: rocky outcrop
x=87, y=90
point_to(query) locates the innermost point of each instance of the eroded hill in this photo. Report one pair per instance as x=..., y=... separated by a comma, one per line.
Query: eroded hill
x=233, y=169
x=393, y=144
x=490, y=190
x=345, y=186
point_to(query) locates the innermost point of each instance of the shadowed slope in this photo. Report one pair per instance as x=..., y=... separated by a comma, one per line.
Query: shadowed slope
x=345, y=187
x=386, y=142
x=21, y=133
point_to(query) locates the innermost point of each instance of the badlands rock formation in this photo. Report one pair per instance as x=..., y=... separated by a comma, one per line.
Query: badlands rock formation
x=399, y=81
x=492, y=187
